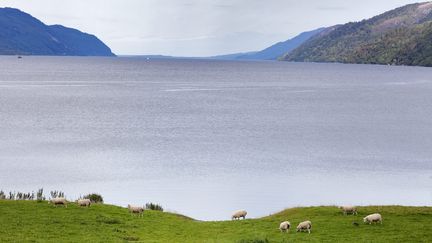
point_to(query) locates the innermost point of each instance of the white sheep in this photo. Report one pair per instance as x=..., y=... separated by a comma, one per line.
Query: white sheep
x=239, y=214
x=349, y=210
x=373, y=218
x=136, y=210
x=285, y=226
x=305, y=226
x=58, y=201
x=84, y=202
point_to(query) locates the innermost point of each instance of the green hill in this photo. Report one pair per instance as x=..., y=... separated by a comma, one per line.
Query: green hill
x=29, y=221
x=402, y=37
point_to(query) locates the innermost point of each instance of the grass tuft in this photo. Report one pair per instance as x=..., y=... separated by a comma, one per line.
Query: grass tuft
x=254, y=241
x=107, y=220
x=131, y=238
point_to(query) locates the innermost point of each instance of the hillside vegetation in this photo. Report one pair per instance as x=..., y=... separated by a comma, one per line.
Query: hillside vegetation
x=402, y=37
x=30, y=221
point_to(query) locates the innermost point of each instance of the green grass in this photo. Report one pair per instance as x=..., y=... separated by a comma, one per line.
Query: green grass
x=29, y=221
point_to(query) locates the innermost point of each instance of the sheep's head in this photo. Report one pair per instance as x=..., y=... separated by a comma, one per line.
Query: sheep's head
x=365, y=219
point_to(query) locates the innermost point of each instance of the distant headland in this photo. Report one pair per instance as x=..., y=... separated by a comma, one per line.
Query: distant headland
x=22, y=34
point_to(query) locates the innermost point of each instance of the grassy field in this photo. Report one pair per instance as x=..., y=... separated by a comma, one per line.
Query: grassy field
x=29, y=221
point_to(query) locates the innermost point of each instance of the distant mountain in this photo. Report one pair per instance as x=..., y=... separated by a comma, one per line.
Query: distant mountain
x=22, y=34
x=159, y=57
x=402, y=36
x=233, y=56
x=279, y=49
x=275, y=51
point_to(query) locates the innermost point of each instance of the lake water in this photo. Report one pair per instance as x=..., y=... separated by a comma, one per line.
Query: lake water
x=205, y=138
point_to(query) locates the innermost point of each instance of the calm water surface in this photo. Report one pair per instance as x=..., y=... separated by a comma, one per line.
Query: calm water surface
x=205, y=138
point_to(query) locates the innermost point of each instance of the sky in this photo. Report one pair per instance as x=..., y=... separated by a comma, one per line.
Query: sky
x=198, y=27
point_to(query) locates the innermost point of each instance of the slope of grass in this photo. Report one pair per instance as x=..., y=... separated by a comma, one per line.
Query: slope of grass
x=29, y=221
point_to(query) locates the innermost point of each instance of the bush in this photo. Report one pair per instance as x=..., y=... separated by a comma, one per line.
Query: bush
x=154, y=206
x=39, y=195
x=94, y=198
x=21, y=196
x=57, y=194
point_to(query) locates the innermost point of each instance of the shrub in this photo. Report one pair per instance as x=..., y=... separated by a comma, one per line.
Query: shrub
x=2, y=195
x=39, y=195
x=56, y=194
x=20, y=196
x=154, y=206
x=94, y=198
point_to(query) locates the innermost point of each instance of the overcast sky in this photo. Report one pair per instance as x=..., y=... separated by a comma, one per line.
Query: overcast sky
x=198, y=27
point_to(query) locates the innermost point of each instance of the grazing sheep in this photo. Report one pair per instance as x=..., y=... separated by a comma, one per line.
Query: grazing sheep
x=136, y=210
x=373, y=218
x=305, y=226
x=349, y=210
x=285, y=226
x=84, y=202
x=239, y=214
x=58, y=201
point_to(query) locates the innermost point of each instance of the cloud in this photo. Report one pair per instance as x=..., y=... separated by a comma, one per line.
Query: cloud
x=198, y=27
x=224, y=6
x=332, y=8
x=162, y=39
